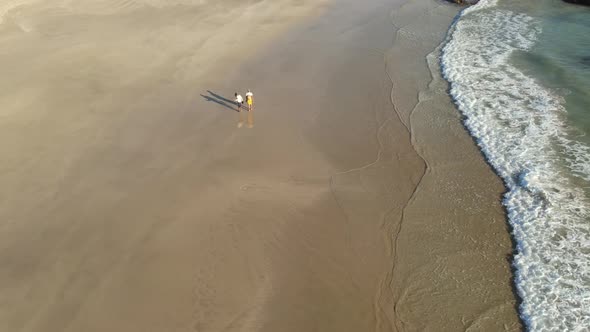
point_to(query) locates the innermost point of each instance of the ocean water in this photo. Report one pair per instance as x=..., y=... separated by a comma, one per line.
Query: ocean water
x=520, y=75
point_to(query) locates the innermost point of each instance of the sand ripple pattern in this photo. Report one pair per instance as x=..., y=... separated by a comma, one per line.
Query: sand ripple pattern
x=91, y=7
x=98, y=7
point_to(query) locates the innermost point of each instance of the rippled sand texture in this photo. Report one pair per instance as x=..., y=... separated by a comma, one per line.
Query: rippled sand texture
x=131, y=201
x=451, y=269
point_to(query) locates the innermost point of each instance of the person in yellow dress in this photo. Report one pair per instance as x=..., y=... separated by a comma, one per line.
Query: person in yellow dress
x=250, y=102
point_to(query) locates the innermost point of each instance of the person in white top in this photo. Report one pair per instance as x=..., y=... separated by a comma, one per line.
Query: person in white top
x=239, y=101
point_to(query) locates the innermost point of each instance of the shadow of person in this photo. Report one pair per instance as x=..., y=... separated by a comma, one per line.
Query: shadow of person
x=220, y=100
x=219, y=97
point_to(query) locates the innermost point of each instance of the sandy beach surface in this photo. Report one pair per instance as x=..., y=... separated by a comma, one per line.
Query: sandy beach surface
x=132, y=198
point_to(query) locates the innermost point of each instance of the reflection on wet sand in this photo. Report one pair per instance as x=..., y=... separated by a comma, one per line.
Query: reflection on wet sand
x=249, y=118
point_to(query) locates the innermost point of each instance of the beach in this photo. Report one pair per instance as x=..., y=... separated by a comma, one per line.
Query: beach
x=132, y=201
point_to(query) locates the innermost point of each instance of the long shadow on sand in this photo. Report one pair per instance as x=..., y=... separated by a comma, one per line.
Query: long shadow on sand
x=218, y=99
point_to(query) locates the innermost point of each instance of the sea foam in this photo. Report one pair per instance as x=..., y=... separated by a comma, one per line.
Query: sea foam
x=521, y=128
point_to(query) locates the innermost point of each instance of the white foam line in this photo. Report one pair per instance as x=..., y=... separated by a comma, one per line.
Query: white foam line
x=520, y=127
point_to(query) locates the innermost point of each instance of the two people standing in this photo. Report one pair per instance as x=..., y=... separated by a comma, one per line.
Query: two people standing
x=250, y=102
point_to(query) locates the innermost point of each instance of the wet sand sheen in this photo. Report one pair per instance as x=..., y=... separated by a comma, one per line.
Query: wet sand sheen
x=455, y=208
x=136, y=204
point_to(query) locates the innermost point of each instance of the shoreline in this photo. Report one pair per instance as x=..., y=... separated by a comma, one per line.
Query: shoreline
x=545, y=196
x=360, y=205
x=439, y=137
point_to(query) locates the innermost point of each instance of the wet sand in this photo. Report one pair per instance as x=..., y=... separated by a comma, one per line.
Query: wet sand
x=131, y=200
x=458, y=276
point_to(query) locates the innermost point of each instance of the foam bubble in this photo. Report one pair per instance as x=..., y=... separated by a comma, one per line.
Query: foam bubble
x=481, y=5
x=521, y=128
